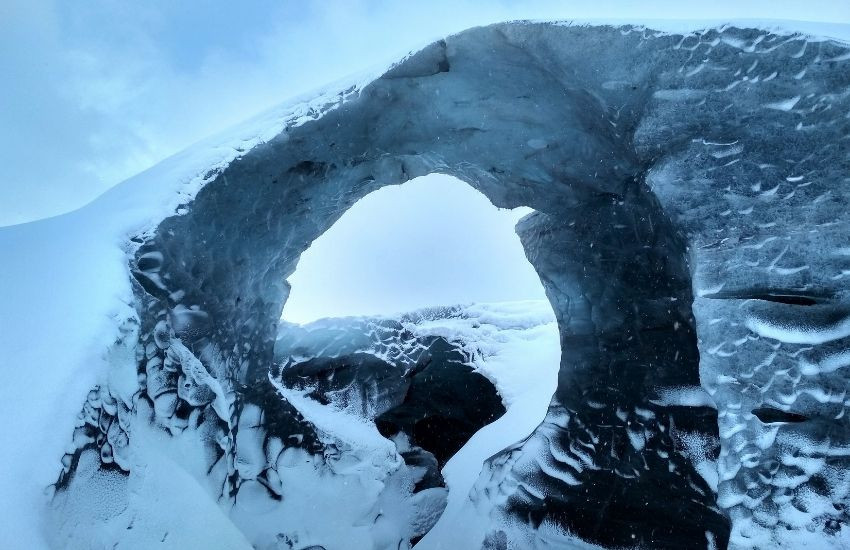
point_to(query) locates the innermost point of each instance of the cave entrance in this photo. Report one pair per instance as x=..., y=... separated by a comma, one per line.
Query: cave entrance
x=606, y=464
x=419, y=311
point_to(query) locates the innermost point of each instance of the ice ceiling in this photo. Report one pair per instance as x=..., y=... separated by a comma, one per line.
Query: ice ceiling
x=691, y=232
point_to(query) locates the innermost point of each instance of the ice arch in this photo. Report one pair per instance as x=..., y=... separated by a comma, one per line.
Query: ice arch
x=661, y=167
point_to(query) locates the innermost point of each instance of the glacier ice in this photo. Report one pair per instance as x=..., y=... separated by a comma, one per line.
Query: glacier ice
x=690, y=230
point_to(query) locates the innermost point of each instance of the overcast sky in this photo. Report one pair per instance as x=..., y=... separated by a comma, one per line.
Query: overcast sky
x=406, y=246
x=97, y=90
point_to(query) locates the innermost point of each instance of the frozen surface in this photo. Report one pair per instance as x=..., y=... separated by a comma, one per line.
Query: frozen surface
x=665, y=170
x=361, y=491
x=514, y=344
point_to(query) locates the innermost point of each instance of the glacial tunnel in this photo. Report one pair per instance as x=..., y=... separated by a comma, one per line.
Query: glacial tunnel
x=688, y=230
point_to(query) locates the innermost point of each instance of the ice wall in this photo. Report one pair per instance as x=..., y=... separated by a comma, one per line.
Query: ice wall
x=666, y=169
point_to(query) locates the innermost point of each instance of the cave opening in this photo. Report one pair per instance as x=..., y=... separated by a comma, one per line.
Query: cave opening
x=431, y=241
x=467, y=350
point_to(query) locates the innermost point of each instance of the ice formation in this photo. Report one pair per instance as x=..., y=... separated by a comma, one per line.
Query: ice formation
x=690, y=229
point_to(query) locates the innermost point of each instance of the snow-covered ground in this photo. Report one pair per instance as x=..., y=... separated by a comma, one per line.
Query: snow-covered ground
x=516, y=345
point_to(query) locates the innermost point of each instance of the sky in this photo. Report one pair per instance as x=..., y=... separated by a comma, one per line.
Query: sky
x=95, y=91
x=405, y=246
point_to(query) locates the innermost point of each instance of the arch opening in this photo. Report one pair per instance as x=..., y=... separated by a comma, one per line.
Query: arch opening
x=432, y=241
x=450, y=346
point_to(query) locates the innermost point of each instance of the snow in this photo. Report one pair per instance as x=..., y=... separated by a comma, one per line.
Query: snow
x=166, y=505
x=340, y=425
x=799, y=332
x=786, y=105
x=683, y=396
x=517, y=346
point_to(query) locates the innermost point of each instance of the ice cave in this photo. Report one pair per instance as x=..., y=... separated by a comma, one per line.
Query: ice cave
x=690, y=231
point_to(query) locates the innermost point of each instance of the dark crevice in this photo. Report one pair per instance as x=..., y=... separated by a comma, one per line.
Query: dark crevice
x=309, y=168
x=780, y=297
x=770, y=415
x=790, y=299
x=446, y=403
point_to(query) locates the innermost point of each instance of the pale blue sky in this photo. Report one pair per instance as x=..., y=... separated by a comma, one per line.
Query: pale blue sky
x=406, y=246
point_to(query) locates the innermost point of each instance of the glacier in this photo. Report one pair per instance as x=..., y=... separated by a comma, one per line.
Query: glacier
x=690, y=230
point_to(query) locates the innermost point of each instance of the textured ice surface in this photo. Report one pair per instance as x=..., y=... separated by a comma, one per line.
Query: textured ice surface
x=319, y=472
x=690, y=231
x=514, y=344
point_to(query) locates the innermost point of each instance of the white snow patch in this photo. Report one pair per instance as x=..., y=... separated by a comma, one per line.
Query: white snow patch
x=785, y=105
x=799, y=333
x=683, y=396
